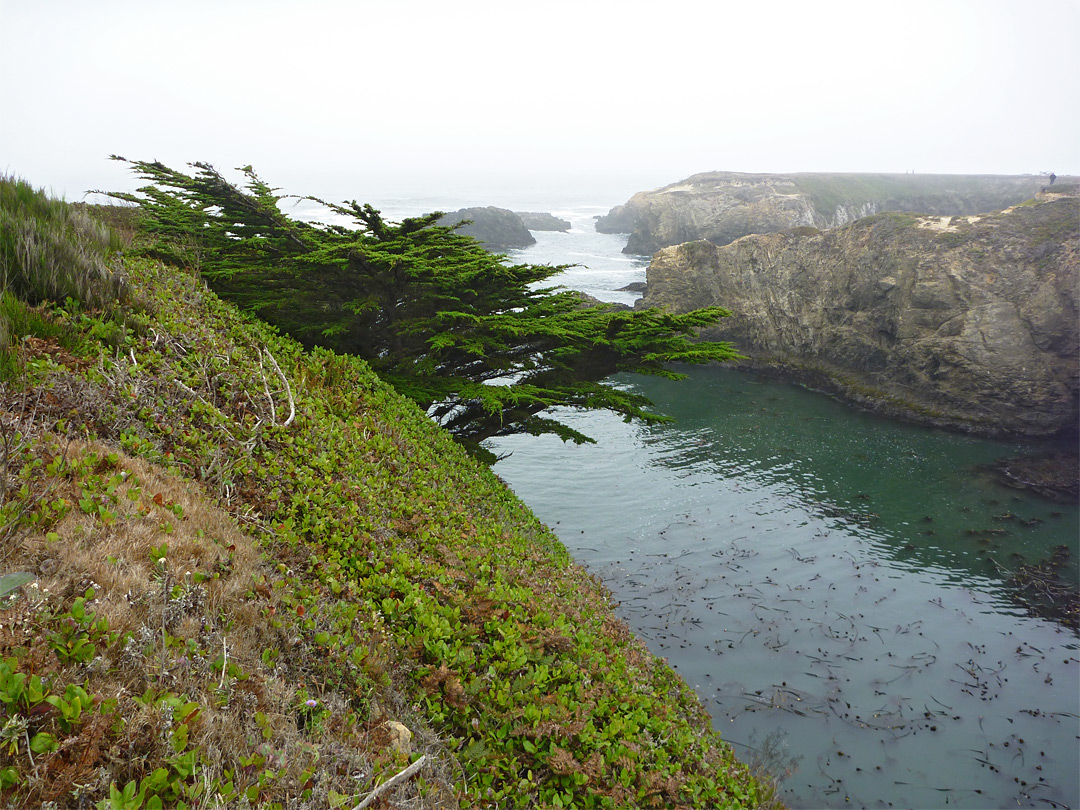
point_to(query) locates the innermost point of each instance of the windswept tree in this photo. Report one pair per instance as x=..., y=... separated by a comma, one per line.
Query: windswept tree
x=481, y=344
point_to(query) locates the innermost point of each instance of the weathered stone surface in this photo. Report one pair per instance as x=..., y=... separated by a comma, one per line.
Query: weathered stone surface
x=968, y=322
x=723, y=206
x=498, y=228
x=541, y=221
x=398, y=737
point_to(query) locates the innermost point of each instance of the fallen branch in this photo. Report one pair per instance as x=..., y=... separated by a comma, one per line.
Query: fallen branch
x=288, y=389
x=189, y=390
x=266, y=390
x=392, y=782
x=224, y=663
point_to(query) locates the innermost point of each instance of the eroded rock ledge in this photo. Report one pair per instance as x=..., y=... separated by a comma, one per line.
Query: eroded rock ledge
x=967, y=322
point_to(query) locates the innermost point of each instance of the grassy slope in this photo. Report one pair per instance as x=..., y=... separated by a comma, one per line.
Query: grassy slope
x=978, y=193
x=240, y=609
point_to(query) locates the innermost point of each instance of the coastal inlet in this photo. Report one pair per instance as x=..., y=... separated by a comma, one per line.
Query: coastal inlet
x=838, y=588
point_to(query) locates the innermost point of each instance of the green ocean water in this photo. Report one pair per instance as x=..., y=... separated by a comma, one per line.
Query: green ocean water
x=833, y=584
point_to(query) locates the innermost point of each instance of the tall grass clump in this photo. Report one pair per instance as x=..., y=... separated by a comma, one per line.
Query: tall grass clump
x=52, y=250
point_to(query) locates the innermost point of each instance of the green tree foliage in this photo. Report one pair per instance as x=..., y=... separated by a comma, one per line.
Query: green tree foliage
x=479, y=343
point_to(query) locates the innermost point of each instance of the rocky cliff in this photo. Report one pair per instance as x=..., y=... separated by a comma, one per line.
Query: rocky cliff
x=543, y=221
x=498, y=228
x=968, y=322
x=722, y=206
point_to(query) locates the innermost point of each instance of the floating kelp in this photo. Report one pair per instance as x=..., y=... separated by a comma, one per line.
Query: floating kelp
x=1042, y=590
x=1055, y=476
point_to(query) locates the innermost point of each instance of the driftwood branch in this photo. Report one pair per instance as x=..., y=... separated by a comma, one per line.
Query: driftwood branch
x=392, y=782
x=266, y=390
x=288, y=388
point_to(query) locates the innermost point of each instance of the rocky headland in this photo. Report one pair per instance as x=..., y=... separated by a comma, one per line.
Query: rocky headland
x=967, y=322
x=498, y=228
x=723, y=206
x=543, y=221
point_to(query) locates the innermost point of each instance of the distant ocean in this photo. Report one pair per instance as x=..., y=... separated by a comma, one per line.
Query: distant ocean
x=601, y=268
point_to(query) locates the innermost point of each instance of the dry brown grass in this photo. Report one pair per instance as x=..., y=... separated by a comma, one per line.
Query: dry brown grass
x=247, y=708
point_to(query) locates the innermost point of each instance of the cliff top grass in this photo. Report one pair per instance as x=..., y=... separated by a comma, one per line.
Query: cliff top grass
x=237, y=573
x=830, y=191
x=979, y=192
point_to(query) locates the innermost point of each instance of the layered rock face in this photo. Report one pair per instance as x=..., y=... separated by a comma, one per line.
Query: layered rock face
x=498, y=228
x=968, y=322
x=723, y=206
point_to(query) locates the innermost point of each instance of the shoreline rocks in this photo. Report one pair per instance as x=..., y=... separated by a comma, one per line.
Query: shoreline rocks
x=966, y=322
x=540, y=221
x=1055, y=476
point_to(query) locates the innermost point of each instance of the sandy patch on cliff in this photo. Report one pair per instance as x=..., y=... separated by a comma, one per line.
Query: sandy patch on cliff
x=945, y=223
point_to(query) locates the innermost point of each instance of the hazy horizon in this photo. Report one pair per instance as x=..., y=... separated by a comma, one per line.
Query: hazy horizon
x=368, y=100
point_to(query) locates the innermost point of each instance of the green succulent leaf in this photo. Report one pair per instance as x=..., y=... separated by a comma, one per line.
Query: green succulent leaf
x=10, y=583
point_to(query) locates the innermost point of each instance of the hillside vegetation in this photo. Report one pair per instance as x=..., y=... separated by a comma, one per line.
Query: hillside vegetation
x=239, y=573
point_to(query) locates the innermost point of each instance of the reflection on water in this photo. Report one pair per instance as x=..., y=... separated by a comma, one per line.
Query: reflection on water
x=921, y=491
x=831, y=585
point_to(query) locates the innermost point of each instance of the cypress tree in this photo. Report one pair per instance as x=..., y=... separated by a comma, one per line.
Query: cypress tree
x=478, y=342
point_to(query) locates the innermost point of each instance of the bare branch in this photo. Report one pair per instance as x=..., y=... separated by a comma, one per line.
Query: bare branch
x=288, y=389
x=266, y=390
x=392, y=782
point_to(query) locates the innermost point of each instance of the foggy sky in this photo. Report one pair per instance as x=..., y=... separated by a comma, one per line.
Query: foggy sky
x=393, y=97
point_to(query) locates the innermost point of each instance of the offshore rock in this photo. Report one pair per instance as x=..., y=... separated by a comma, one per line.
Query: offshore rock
x=968, y=322
x=540, y=221
x=498, y=228
x=723, y=206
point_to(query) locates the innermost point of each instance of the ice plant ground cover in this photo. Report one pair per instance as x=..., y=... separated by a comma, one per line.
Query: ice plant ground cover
x=252, y=564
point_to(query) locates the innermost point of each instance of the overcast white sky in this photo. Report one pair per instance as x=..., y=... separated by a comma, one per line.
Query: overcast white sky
x=385, y=97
